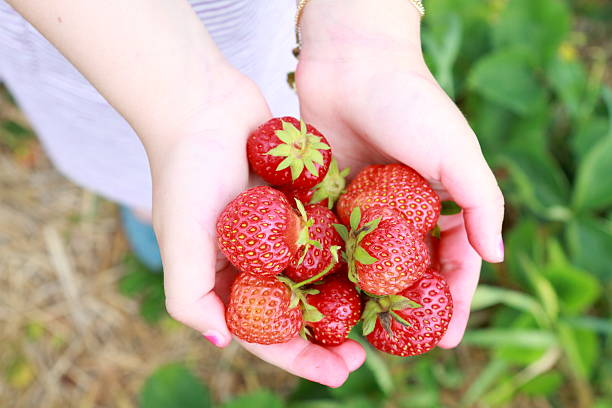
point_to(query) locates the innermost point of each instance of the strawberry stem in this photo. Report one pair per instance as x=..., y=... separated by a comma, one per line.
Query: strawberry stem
x=334, y=250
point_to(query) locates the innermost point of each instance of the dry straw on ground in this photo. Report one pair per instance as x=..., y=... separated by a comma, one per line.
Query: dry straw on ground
x=68, y=337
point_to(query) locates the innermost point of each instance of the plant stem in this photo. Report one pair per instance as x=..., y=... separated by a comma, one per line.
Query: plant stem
x=317, y=276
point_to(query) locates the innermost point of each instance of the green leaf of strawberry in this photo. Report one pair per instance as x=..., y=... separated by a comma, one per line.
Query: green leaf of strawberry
x=362, y=256
x=355, y=218
x=300, y=149
x=449, y=208
x=332, y=185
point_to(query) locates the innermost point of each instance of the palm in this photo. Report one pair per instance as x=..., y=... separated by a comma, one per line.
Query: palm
x=193, y=180
x=379, y=112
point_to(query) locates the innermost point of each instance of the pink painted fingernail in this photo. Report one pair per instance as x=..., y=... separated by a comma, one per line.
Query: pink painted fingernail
x=214, y=337
x=501, y=249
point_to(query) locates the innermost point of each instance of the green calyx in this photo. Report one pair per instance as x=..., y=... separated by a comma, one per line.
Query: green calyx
x=449, y=207
x=384, y=308
x=332, y=185
x=355, y=252
x=300, y=150
x=304, y=234
x=298, y=293
x=298, y=299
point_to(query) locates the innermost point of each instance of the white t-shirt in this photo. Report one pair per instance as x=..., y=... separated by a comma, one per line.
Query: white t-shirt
x=86, y=138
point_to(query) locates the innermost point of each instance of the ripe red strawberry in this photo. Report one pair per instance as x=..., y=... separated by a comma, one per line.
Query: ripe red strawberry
x=385, y=254
x=326, y=192
x=394, y=325
x=288, y=152
x=322, y=260
x=340, y=304
x=259, y=232
x=259, y=310
x=397, y=186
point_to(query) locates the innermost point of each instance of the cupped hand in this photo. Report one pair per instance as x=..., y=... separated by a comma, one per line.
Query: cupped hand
x=376, y=101
x=196, y=172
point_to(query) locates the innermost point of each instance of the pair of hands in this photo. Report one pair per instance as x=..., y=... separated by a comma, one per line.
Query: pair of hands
x=375, y=105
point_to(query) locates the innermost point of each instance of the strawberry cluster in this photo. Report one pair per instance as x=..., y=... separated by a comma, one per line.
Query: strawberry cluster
x=307, y=270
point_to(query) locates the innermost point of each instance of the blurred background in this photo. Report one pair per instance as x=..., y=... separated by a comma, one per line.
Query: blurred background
x=82, y=323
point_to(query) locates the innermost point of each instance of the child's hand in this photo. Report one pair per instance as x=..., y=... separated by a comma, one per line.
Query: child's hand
x=369, y=91
x=194, y=176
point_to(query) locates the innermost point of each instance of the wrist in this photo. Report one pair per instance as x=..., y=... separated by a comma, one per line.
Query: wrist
x=229, y=108
x=346, y=28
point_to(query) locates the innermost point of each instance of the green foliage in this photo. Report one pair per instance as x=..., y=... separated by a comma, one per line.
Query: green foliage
x=147, y=286
x=258, y=399
x=505, y=77
x=174, y=386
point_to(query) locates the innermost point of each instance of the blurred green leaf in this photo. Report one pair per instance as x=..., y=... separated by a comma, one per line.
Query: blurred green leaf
x=531, y=134
x=505, y=77
x=525, y=239
x=593, y=190
x=376, y=365
x=588, y=135
x=257, y=399
x=173, y=386
x=569, y=80
x=518, y=337
x=137, y=281
x=349, y=403
x=359, y=383
x=543, y=288
x=19, y=371
x=13, y=134
x=153, y=305
x=516, y=353
x=308, y=390
x=483, y=382
x=442, y=47
x=539, y=182
x=487, y=296
x=491, y=122
x=418, y=397
x=544, y=384
x=581, y=348
x=589, y=242
x=145, y=285
x=591, y=323
x=473, y=15
x=537, y=27
x=500, y=394
x=576, y=289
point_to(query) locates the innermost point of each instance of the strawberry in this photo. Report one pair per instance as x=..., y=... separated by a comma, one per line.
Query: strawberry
x=385, y=254
x=326, y=192
x=318, y=258
x=259, y=312
x=340, y=304
x=269, y=309
x=260, y=233
x=413, y=321
x=288, y=152
x=394, y=185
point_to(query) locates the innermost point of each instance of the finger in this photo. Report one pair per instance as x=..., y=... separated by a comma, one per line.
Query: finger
x=449, y=151
x=185, y=211
x=307, y=360
x=460, y=265
x=471, y=183
x=351, y=352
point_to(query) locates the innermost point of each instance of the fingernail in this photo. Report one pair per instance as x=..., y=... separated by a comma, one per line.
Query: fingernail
x=501, y=249
x=214, y=337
